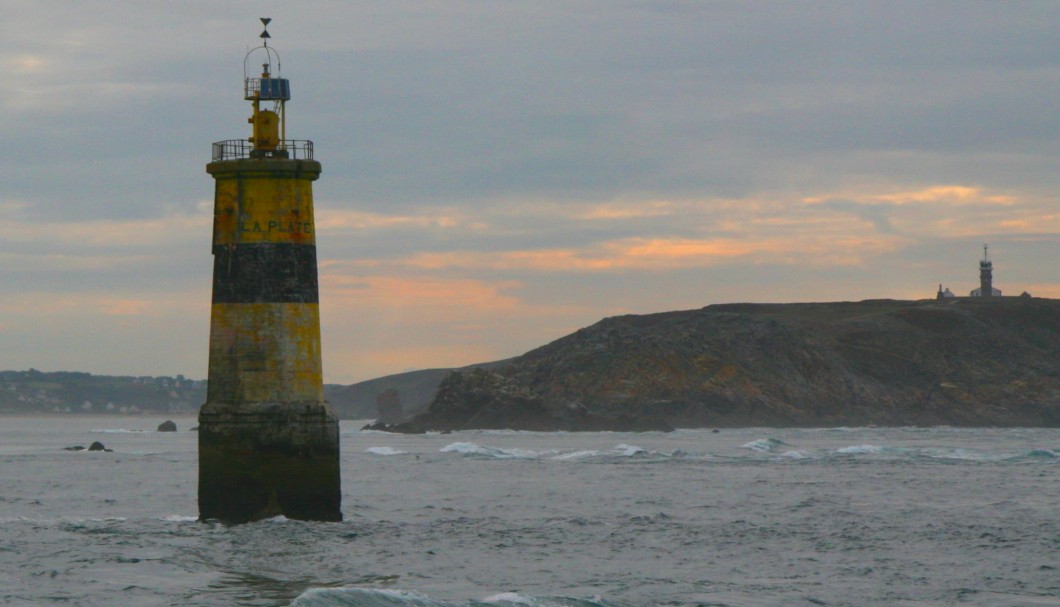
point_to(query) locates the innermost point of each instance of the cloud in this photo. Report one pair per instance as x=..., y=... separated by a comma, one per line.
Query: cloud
x=498, y=173
x=397, y=295
x=946, y=194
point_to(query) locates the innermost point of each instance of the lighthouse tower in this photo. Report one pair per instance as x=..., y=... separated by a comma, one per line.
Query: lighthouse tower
x=268, y=442
x=986, y=278
x=986, y=275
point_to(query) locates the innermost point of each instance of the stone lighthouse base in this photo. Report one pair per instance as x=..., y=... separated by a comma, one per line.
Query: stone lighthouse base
x=260, y=460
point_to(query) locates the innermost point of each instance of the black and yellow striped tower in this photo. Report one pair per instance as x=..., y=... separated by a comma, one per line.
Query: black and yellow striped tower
x=268, y=442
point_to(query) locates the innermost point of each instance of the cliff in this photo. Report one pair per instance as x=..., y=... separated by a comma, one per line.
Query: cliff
x=963, y=362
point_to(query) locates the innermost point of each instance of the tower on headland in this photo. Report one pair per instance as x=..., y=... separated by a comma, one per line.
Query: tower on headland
x=268, y=442
x=986, y=278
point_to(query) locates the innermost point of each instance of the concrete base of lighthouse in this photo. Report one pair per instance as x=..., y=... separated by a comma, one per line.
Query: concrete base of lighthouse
x=260, y=460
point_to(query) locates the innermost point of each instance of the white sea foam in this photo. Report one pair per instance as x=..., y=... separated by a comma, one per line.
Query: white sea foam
x=793, y=454
x=576, y=455
x=765, y=445
x=509, y=597
x=180, y=518
x=860, y=450
x=1046, y=454
x=479, y=450
x=625, y=450
x=385, y=451
x=331, y=597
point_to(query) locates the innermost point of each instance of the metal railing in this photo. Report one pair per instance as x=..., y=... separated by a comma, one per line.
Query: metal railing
x=236, y=149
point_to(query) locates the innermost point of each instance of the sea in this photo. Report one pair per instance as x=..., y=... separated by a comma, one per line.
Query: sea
x=734, y=517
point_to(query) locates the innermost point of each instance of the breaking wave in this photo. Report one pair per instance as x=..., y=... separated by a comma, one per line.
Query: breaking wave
x=774, y=449
x=385, y=451
x=766, y=445
x=621, y=451
x=365, y=597
x=473, y=449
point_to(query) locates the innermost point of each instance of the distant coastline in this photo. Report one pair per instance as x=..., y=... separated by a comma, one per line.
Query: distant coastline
x=957, y=362
x=954, y=361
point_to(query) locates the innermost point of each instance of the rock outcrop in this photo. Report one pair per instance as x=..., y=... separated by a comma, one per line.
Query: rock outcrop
x=963, y=362
x=481, y=399
x=167, y=426
x=388, y=405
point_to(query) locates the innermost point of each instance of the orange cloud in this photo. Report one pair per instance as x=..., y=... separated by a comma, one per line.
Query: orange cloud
x=396, y=293
x=662, y=253
x=27, y=64
x=947, y=194
x=145, y=232
x=617, y=211
x=340, y=219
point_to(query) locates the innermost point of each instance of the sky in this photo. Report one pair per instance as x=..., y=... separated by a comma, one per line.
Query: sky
x=498, y=174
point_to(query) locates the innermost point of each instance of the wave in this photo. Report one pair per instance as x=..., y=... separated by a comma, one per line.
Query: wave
x=625, y=450
x=366, y=597
x=573, y=455
x=385, y=451
x=621, y=451
x=773, y=449
x=488, y=452
x=860, y=450
x=180, y=518
x=1037, y=455
x=766, y=445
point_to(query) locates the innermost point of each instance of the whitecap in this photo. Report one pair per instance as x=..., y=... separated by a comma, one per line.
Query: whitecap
x=180, y=518
x=509, y=597
x=385, y=451
x=860, y=450
x=479, y=450
x=1036, y=455
x=576, y=455
x=765, y=445
x=461, y=448
x=329, y=597
x=1045, y=453
x=514, y=598
x=625, y=450
x=793, y=454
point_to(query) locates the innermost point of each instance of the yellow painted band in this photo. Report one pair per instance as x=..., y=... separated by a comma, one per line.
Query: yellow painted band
x=265, y=352
x=253, y=204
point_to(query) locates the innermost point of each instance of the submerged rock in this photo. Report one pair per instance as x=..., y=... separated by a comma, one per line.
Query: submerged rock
x=74, y=448
x=167, y=426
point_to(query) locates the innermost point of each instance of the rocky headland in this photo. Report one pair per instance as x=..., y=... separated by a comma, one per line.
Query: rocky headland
x=960, y=362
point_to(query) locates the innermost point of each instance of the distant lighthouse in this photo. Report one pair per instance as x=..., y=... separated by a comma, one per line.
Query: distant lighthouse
x=268, y=442
x=986, y=278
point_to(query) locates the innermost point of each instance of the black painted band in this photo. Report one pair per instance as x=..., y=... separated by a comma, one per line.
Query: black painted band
x=265, y=272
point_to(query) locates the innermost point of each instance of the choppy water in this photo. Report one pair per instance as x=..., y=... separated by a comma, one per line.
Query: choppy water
x=750, y=517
